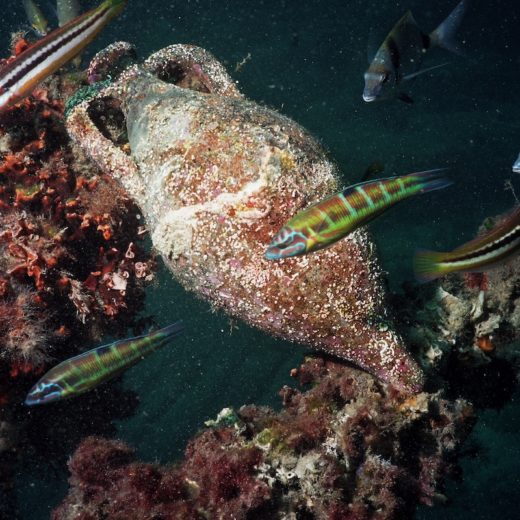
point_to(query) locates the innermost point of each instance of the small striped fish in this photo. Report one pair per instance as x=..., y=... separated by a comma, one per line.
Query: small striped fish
x=324, y=223
x=88, y=370
x=19, y=78
x=482, y=253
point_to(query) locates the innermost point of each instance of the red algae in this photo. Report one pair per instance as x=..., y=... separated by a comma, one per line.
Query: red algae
x=71, y=269
x=343, y=449
x=62, y=240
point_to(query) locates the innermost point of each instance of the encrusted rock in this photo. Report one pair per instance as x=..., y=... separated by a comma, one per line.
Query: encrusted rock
x=216, y=176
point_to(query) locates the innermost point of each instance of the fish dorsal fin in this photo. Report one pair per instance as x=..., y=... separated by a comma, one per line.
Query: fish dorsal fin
x=422, y=71
x=501, y=228
x=407, y=19
x=403, y=96
x=373, y=169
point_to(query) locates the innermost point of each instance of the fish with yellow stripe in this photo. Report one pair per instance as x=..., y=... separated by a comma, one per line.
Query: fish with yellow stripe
x=36, y=17
x=19, y=78
x=480, y=254
x=329, y=220
x=82, y=373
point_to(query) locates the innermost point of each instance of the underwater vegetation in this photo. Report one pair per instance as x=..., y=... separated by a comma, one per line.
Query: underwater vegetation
x=71, y=269
x=342, y=449
x=57, y=209
x=215, y=176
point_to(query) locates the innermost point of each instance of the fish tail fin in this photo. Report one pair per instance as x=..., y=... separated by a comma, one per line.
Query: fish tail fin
x=171, y=331
x=429, y=180
x=117, y=5
x=427, y=265
x=444, y=35
x=52, y=8
x=161, y=337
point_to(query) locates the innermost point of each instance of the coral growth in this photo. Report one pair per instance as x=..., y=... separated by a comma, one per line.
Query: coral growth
x=343, y=449
x=69, y=259
x=67, y=238
x=472, y=316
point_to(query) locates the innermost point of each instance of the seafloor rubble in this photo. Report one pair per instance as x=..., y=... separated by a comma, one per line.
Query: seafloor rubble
x=342, y=449
x=71, y=270
x=466, y=326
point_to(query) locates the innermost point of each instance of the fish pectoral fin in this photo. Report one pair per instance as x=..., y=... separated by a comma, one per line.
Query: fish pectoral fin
x=405, y=97
x=422, y=71
x=373, y=169
x=321, y=227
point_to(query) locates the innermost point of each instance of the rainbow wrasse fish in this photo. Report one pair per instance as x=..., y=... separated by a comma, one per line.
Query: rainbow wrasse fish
x=20, y=77
x=36, y=17
x=399, y=58
x=480, y=254
x=329, y=220
x=82, y=373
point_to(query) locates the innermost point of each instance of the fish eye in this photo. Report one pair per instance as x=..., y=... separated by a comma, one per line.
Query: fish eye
x=286, y=242
x=284, y=239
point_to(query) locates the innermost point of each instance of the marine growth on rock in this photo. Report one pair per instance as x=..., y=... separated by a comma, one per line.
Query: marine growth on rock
x=71, y=267
x=344, y=449
x=216, y=176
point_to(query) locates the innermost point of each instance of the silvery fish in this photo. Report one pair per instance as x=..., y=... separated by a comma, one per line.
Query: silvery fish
x=516, y=166
x=399, y=57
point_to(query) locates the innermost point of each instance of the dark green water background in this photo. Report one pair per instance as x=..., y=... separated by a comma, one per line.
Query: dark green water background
x=307, y=61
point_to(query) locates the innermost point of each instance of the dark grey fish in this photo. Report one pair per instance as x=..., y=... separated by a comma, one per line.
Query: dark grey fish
x=399, y=58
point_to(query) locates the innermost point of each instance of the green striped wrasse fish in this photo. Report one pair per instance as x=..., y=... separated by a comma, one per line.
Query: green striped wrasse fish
x=19, y=78
x=325, y=222
x=82, y=373
x=480, y=254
